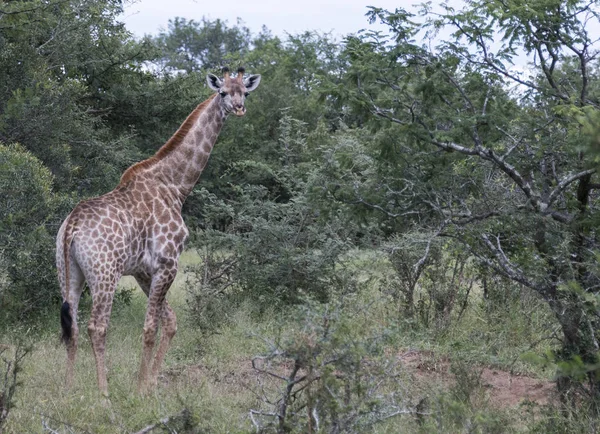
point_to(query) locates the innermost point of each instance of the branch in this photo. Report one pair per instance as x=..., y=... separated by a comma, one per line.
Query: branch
x=162, y=421
x=360, y=200
x=562, y=185
x=264, y=371
x=489, y=155
x=45, y=427
x=548, y=71
x=418, y=267
x=460, y=90
x=477, y=217
x=505, y=266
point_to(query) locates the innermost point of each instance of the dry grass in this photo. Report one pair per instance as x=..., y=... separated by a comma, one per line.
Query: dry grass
x=212, y=377
x=221, y=406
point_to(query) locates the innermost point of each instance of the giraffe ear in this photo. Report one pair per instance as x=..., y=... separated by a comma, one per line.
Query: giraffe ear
x=214, y=82
x=251, y=82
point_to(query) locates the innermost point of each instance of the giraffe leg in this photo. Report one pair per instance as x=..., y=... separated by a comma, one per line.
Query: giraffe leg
x=76, y=282
x=168, y=327
x=161, y=282
x=103, y=295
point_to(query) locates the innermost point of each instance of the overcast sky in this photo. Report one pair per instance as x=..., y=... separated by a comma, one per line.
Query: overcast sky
x=338, y=16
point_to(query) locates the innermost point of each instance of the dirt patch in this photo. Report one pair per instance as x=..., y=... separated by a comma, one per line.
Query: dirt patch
x=502, y=388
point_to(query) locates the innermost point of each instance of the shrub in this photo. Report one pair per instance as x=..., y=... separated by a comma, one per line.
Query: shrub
x=9, y=371
x=329, y=373
x=273, y=252
x=28, y=221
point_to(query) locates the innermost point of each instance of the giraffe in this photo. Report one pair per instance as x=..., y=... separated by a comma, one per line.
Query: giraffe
x=137, y=230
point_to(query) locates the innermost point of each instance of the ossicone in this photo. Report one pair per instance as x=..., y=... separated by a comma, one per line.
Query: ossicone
x=225, y=71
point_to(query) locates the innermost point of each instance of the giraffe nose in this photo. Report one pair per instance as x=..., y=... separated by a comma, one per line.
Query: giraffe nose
x=240, y=110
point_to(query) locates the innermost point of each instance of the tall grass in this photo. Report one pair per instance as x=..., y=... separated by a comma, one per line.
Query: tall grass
x=211, y=376
x=187, y=380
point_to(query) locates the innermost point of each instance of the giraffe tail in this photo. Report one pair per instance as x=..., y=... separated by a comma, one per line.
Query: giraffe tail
x=66, y=322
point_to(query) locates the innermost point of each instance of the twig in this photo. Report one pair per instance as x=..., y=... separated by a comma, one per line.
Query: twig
x=162, y=421
x=47, y=428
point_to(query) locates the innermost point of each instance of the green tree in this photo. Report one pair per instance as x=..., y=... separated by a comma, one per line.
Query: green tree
x=195, y=46
x=61, y=62
x=28, y=207
x=503, y=168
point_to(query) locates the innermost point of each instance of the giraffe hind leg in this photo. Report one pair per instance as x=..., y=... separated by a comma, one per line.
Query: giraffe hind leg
x=69, y=319
x=103, y=292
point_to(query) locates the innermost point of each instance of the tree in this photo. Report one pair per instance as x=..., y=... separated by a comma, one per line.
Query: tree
x=61, y=63
x=28, y=206
x=505, y=170
x=194, y=46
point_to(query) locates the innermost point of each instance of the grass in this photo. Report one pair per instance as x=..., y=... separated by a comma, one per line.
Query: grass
x=211, y=376
x=188, y=380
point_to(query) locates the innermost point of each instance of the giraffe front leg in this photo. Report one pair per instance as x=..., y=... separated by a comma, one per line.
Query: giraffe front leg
x=156, y=301
x=168, y=327
x=97, y=327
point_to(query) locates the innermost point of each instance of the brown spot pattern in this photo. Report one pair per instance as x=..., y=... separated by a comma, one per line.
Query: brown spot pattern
x=137, y=229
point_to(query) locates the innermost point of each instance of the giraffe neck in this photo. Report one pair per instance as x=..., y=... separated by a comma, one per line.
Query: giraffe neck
x=179, y=163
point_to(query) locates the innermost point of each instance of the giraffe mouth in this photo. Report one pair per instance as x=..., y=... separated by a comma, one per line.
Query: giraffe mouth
x=240, y=112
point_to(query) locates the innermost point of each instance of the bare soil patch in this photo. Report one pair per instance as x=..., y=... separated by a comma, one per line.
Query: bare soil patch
x=503, y=389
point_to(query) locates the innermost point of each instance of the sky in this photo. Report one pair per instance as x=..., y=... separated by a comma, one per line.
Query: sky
x=339, y=17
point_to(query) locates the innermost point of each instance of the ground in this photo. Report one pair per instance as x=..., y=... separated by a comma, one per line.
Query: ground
x=212, y=376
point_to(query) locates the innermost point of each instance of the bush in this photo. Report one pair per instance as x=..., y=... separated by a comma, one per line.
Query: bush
x=28, y=221
x=9, y=371
x=274, y=252
x=329, y=373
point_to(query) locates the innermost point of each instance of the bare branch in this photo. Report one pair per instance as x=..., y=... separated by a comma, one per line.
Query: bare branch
x=264, y=371
x=418, y=267
x=490, y=155
x=505, y=265
x=562, y=185
x=162, y=421
x=45, y=427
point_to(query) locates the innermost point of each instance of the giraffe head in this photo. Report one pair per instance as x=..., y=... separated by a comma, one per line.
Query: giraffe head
x=233, y=91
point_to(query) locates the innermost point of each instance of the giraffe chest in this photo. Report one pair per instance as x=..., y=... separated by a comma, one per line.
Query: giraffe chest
x=158, y=242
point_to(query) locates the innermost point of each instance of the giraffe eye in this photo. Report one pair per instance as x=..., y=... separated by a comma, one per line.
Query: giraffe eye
x=246, y=94
x=222, y=92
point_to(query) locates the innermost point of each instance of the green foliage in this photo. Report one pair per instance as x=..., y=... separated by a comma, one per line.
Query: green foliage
x=192, y=46
x=563, y=419
x=387, y=141
x=453, y=415
x=500, y=164
x=267, y=241
x=28, y=207
x=10, y=373
x=61, y=62
x=328, y=373
x=280, y=252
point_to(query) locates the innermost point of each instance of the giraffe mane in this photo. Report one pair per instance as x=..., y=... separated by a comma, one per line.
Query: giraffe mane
x=171, y=144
